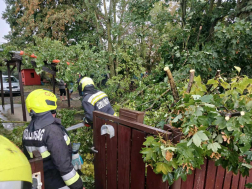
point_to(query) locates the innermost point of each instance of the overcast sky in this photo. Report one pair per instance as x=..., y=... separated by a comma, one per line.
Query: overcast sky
x=4, y=27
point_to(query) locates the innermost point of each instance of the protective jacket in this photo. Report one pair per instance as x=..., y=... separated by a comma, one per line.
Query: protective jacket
x=46, y=135
x=95, y=100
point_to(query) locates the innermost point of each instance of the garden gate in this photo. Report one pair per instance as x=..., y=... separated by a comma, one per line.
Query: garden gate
x=118, y=163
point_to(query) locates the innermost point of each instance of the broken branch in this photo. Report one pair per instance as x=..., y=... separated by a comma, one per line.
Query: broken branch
x=172, y=84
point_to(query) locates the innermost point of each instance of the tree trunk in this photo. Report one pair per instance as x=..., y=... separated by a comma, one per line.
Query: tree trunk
x=110, y=50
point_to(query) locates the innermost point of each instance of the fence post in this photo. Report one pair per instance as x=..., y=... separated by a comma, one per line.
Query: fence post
x=131, y=115
x=37, y=166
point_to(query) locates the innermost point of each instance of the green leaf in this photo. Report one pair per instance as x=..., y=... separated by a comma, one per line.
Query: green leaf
x=161, y=124
x=220, y=122
x=170, y=178
x=237, y=68
x=199, y=111
x=199, y=137
x=248, y=185
x=196, y=140
x=225, y=85
x=212, y=82
x=247, y=165
x=148, y=152
x=206, y=98
x=177, y=118
x=249, y=105
x=189, y=142
x=202, y=135
x=249, y=155
x=163, y=168
x=219, y=139
x=214, y=146
x=149, y=141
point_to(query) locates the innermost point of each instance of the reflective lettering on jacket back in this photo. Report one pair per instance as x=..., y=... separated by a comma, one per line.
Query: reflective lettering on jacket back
x=35, y=135
x=102, y=103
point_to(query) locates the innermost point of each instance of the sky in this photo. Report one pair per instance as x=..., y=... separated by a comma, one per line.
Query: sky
x=4, y=27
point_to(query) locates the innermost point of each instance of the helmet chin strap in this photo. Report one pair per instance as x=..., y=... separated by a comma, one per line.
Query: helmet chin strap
x=34, y=114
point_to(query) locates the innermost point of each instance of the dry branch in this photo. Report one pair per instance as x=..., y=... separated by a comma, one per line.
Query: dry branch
x=172, y=84
x=191, y=79
x=229, y=115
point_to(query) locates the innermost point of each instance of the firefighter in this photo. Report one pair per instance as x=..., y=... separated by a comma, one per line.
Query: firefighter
x=15, y=170
x=94, y=100
x=46, y=135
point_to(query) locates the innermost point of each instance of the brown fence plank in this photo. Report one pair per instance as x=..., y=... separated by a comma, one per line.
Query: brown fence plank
x=249, y=178
x=137, y=164
x=100, y=157
x=200, y=174
x=177, y=184
x=112, y=158
x=188, y=184
x=154, y=181
x=228, y=180
x=135, y=125
x=124, y=141
x=219, y=177
x=242, y=182
x=235, y=181
x=211, y=174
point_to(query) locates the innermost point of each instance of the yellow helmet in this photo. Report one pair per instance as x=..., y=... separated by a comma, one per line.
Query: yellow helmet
x=86, y=81
x=14, y=166
x=40, y=101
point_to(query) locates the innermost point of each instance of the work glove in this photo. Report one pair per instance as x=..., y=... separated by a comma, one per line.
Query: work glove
x=77, y=161
x=76, y=158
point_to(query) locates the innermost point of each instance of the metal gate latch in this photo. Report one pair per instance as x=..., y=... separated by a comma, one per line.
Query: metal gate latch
x=108, y=129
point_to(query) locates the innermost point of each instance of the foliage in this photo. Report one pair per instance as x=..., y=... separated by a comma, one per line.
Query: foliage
x=215, y=123
x=82, y=59
x=15, y=135
x=59, y=20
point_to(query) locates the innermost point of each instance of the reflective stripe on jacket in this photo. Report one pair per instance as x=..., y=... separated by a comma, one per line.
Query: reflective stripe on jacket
x=54, y=145
x=98, y=101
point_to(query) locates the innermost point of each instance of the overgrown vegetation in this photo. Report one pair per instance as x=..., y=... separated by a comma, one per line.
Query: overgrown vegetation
x=215, y=122
x=130, y=42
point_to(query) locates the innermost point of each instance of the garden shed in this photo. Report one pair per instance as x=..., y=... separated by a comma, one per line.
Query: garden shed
x=30, y=77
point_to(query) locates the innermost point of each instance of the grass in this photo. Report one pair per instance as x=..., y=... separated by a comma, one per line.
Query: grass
x=30, y=88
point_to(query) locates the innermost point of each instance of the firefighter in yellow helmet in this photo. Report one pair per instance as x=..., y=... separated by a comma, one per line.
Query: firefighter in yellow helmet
x=15, y=170
x=46, y=135
x=94, y=100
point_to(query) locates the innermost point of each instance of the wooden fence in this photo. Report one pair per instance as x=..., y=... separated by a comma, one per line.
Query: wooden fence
x=119, y=165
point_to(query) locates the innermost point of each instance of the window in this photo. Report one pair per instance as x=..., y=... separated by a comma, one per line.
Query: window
x=13, y=80
x=22, y=75
x=32, y=75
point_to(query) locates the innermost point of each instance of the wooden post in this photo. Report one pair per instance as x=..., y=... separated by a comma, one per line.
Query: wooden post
x=53, y=81
x=68, y=97
x=18, y=64
x=190, y=81
x=37, y=166
x=2, y=92
x=10, y=88
x=131, y=115
x=172, y=84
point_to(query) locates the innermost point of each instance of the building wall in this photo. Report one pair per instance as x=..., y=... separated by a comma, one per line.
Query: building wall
x=29, y=77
